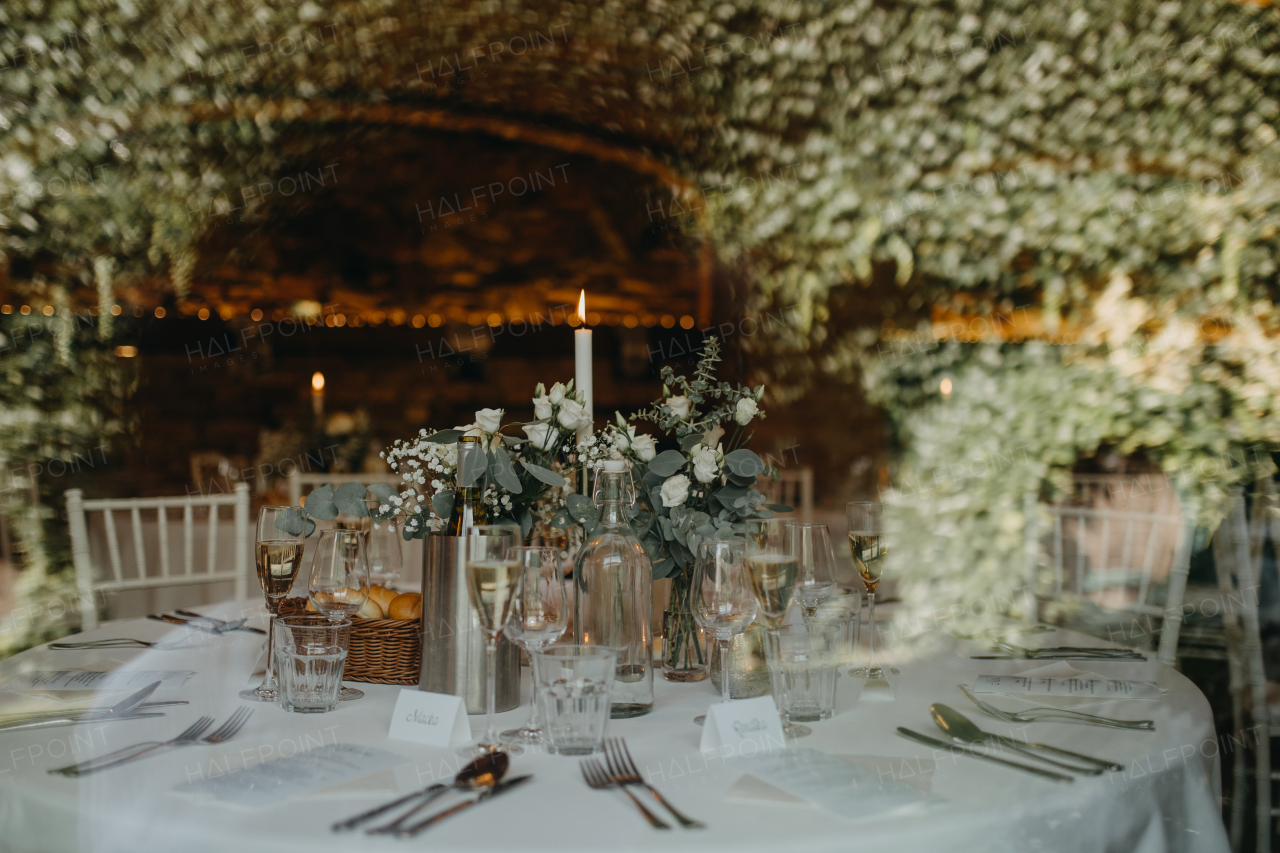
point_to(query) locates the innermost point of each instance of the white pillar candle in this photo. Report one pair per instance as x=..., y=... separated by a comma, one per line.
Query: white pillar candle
x=582, y=366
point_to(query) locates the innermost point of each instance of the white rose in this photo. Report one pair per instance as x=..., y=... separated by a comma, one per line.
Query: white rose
x=644, y=447
x=675, y=490
x=572, y=415
x=489, y=420
x=704, y=464
x=543, y=436
x=557, y=393
x=678, y=405
x=541, y=408
x=746, y=410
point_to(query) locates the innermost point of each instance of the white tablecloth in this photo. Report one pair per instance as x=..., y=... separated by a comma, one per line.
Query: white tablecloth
x=1167, y=798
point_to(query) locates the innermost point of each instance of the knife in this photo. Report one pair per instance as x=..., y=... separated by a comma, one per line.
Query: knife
x=501, y=788
x=116, y=711
x=30, y=716
x=1105, y=658
x=953, y=748
x=216, y=630
x=70, y=721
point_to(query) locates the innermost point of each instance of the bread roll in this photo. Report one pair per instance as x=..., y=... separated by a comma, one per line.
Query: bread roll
x=310, y=608
x=371, y=610
x=383, y=596
x=406, y=606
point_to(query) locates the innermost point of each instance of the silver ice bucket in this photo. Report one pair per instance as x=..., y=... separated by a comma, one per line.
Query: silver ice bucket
x=453, y=646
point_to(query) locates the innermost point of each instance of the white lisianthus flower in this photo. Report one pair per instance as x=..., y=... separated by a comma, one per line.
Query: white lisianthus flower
x=745, y=411
x=643, y=446
x=679, y=406
x=704, y=463
x=572, y=415
x=675, y=490
x=543, y=436
x=542, y=408
x=489, y=420
x=557, y=394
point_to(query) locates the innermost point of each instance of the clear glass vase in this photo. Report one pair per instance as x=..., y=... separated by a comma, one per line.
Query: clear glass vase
x=613, y=594
x=684, y=642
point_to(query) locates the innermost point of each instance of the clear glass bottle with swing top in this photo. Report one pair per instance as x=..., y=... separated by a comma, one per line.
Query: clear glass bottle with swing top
x=613, y=593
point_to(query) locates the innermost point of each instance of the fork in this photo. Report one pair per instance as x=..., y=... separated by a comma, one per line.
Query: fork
x=191, y=736
x=1032, y=715
x=623, y=771
x=597, y=777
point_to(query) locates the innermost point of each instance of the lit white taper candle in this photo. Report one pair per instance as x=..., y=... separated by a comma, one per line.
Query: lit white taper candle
x=582, y=366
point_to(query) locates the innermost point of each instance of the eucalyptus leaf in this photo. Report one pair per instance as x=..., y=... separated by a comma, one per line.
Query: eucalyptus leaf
x=383, y=492
x=525, y=520
x=319, y=504
x=473, y=468
x=292, y=521
x=442, y=503
x=744, y=463
x=667, y=463
x=349, y=498
x=546, y=475
x=503, y=473
x=690, y=441
x=445, y=436
x=514, y=441
x=582, y=508
x=561, y=520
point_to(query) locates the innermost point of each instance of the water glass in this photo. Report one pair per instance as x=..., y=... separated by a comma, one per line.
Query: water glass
x=804, y=662
x=572, y=685
x=310, y=652
x=846, y=609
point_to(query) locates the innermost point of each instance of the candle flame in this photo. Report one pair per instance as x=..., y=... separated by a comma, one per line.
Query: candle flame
x=317, y=382
x=582, y=307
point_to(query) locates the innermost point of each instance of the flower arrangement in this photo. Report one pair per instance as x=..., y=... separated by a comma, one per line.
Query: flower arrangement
x=705, y=490
x=522, y=472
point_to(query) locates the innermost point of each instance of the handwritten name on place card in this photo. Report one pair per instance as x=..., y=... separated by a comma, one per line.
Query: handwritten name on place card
x=434, y=719
x=744, y=727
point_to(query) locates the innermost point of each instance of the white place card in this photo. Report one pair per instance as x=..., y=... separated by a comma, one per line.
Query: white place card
x=743, y=727
x=435, y=719
x=272, y=781
x=1087, y=687
x=83, y=679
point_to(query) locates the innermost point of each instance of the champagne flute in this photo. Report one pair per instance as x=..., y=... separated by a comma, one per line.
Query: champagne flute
x=816, y=572
x=771, y=569
x=278, y=557
x=339, y=583
x=539, y=615
x=494, y=580
x=866, y=543
x=723, y=603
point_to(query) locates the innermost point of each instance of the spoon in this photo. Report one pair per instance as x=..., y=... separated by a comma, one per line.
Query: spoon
x=485, y=772
x=961, y=728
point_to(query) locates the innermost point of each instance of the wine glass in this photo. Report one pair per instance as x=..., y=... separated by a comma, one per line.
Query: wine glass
x=772, y=565
x=816, y=573
x=539, y=616
x=386, y=556
x=723, y=602
x=339, y=584
x=866, y=544
x=494, y=580
x=278, y=556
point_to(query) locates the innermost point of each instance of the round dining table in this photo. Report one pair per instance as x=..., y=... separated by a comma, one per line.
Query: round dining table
x=1166, y=798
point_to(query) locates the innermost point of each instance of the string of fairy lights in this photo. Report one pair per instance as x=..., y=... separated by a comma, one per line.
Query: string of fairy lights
x=394, y=317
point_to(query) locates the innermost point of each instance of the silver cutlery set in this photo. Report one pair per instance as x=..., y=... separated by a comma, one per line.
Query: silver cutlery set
x=207, y=624
x=618, y=770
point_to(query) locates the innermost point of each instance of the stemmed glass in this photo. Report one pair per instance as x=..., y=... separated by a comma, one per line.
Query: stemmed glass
x=723, y=602
x=339, y=584
x=539, y=616
x=772, y=565
x=278, y=556
x=494, y=580
x=386, y=556
x=816, y=573
x=866, y=543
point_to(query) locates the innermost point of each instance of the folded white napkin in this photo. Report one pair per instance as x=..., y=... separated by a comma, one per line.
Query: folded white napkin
x=850, y=786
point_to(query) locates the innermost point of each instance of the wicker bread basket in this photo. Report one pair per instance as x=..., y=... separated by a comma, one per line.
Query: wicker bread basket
x=381, y=651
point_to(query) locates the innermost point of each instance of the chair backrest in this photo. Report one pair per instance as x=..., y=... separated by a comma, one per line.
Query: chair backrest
x=115, y=579
x=299, y=482
x=1115, y=560
x=794, y=488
